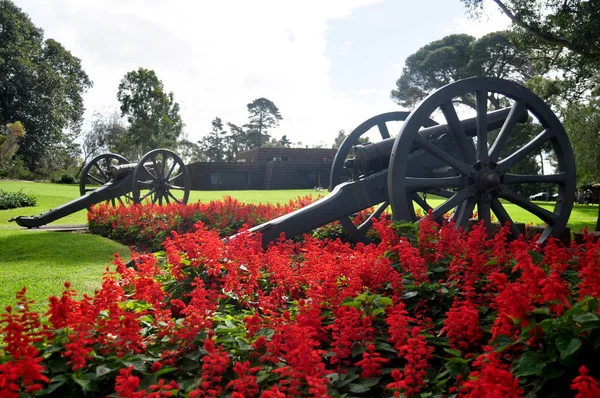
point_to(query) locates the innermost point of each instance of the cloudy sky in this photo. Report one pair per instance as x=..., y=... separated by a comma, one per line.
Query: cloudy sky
x=327, y=64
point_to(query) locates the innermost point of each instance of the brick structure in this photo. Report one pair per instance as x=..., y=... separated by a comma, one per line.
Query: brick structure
x=266, y=168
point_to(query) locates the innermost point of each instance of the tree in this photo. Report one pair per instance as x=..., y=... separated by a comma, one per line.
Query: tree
x=190, y=151
x=107, y=133
x=41, y=85
x=213, y=145
x=10, y=137
x=285, y=142
x=153, y=115
x=457, y=57
x=236, y=141
x=562, y=35
x=339, y=139
x=263, y=115
x=582, y=123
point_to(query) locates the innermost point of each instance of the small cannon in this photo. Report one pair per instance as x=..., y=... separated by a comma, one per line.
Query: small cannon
x=111, y=178
x=457, y=161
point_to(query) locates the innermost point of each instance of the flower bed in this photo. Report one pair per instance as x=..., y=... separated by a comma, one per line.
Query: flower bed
x=433, y=312
x=148, y=225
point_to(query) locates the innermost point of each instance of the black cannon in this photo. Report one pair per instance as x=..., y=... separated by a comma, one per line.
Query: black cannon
x=457, y=161
x=111, y=178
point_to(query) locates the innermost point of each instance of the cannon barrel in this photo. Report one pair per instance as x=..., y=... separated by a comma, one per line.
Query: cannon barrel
x=122, y=170
x=370, y=158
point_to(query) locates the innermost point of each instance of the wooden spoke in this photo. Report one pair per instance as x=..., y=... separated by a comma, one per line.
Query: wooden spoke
x=533, y=145
x=543, y=214
x=430, y=147
x=482, y=130
x=383, y=130
x=423, y=183
x=464, y=143
x=513, y=117
x=504, y=217
x=559, y=178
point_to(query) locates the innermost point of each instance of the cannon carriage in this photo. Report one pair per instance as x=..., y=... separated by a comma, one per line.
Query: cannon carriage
x=456, y=160
x=159, y=177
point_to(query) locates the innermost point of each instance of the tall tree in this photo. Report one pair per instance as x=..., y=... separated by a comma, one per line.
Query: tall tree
x=107, y=133
x=339, y=139
x=263, y=115
x=564, y=35
x=153, y=114
x=457, y=57
x=213, y=145
x=236, y=141
x=41, y=85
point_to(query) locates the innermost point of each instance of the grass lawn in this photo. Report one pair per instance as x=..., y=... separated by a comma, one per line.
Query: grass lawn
x=43, y=260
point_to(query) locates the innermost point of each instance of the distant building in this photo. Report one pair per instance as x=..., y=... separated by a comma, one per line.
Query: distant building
x=266, y=168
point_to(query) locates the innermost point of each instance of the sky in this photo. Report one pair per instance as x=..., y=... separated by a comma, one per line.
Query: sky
x=326, y=64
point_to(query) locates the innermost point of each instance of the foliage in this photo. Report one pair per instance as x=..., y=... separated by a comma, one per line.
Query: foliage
x=148, y=225
x=16, y=169
x=213, y=145
x=107, y=133
x=13, y=200
x=263, y=115
x=153, y=115
x=456, y=57
x=434, y=312
x=563, y=34
x=67, y=179
x=10, y=136
x=32, y=71
x=582, y=123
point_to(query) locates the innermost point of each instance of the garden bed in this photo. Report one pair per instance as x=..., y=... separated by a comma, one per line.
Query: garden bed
x=434, y=311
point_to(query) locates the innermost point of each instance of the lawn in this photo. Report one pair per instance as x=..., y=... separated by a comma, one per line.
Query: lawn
x=43, y=260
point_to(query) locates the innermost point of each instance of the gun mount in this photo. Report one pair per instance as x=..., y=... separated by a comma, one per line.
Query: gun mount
x=158, y=173
x=468, y=164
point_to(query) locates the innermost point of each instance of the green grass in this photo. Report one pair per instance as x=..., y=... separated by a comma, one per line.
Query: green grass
x=43, y=260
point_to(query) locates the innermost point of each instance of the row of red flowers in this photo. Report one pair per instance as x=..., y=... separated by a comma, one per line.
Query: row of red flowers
x=431, y=313
x=148, y=225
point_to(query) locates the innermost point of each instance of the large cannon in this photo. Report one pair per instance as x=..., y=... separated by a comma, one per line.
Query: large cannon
x=160, y=176
x=457, y=160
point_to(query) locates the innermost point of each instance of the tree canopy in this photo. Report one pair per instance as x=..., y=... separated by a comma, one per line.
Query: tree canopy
x=456, y=57
x=561, y=35
x=41, y=85
x=263, y=115
x=153, y=114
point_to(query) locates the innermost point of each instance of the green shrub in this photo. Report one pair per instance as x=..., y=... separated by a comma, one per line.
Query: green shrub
x=12, y=200
x=67, y=179
x=15, y=169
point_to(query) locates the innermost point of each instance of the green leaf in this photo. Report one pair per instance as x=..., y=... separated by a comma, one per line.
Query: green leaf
x=541, y=311
x=102, y=370
x=587, y=317
x=457, y=366
x=408, y=295
x=358, y=388
x=188, y=365
x=529, y=364
x=370, y=382
x=569, y=347
x=455, y=353
x=85, y=381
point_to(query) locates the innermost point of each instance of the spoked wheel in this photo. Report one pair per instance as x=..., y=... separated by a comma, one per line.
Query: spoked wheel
x=487, y=172
x=97, y=173
x=161, y=177
x=342, y=169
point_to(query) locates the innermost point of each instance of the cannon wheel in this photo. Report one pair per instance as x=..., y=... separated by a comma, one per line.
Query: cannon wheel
x=158, y=173
x=97, y=171
x=337, y=175
x=482, y=176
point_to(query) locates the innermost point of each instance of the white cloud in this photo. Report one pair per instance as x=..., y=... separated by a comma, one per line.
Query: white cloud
x=216, y=56
x=491, y=20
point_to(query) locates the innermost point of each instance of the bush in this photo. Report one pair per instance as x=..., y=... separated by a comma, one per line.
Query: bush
x=15, y=169
x=13, y=200
x=67, y=179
